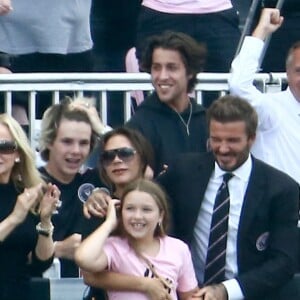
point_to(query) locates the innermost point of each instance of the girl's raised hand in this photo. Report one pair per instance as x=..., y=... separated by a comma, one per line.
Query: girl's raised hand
x=111, y=215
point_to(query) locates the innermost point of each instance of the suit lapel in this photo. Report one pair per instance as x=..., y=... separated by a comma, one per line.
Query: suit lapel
x=203, y=170
x=206, y=168
x=253, y=196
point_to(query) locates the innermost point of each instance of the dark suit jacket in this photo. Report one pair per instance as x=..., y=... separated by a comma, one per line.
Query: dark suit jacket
x=270, y=206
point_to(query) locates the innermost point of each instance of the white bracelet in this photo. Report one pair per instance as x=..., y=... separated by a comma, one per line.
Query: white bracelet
x=44, y=231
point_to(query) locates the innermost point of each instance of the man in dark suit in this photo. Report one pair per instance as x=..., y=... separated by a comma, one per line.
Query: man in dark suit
x=262, y=230
x=261, y=248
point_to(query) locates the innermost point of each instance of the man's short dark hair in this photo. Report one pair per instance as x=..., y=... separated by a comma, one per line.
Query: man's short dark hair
x=230, y=109
x=193, y=54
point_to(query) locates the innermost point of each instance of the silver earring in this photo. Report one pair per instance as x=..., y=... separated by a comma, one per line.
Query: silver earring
x=17, y=159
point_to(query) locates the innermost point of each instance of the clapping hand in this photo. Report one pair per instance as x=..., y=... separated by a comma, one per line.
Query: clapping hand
x=50, y=202
x=26, y=202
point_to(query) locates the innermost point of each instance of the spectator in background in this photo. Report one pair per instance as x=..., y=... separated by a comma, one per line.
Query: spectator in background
x=68, y=135
x=45, y=36
x=283, y=37
x=172, y=121
x=279, y=113
x=26, y=207
x=113, y=28
x=214, y=23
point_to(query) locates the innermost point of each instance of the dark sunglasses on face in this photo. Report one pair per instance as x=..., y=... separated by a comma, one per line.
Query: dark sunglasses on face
x=7, y=147
x=125, y=154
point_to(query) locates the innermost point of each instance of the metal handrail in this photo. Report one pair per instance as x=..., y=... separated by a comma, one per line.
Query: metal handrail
x=102, y=83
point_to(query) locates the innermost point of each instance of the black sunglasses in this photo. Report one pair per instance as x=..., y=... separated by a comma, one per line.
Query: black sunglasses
x=125, y=154
x=7, y=147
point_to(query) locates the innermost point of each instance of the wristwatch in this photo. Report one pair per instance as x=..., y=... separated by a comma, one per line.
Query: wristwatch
x=44, y=231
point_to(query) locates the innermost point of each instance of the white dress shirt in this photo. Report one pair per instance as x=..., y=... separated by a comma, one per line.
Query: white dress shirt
x=278, y=140
x=237, y=187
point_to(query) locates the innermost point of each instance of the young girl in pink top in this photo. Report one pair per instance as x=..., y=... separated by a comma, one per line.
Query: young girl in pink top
x=141, y=246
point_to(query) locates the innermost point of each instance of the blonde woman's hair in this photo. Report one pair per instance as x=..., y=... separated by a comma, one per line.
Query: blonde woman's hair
x=24, y=173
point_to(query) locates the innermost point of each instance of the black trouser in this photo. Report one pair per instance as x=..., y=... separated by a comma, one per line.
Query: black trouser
x=219, y=31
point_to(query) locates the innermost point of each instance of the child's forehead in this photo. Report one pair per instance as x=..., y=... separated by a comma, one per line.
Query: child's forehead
x=139, y=197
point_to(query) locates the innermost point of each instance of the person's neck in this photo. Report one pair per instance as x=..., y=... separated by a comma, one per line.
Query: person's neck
x=118, y=191
x=5, y=178
x=65, y=179
x=180, y=105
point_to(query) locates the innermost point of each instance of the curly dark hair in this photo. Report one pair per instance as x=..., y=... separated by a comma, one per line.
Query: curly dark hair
x=193, y=54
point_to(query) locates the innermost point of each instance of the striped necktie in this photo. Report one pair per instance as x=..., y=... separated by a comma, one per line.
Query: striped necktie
x=216, y=252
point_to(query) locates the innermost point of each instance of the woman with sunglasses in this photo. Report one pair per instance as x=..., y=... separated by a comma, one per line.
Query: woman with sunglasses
x=125, y=156
x=26, y=207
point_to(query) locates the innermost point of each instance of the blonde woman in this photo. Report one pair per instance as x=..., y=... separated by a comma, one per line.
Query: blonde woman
x=26, y=207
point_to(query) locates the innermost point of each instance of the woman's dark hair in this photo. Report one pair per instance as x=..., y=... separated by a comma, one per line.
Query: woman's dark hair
x=230, y=109
x=139, y=143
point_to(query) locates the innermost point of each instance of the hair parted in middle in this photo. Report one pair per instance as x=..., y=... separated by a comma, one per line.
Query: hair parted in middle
x=159, y=196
